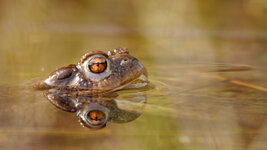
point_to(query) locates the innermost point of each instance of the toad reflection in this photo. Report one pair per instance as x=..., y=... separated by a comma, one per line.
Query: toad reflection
x=95, y=111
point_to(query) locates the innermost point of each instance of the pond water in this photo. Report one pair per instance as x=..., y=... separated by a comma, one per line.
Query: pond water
x=206, y=62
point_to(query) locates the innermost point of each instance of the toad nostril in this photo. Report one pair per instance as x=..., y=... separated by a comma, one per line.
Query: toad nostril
x=124, y=61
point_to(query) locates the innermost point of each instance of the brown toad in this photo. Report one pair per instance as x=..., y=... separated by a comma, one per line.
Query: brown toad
x=99, y=72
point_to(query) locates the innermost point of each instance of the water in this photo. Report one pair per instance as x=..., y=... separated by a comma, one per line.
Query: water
x=195, y=104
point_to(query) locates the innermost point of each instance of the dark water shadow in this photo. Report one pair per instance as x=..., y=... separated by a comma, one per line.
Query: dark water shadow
x=95, y=111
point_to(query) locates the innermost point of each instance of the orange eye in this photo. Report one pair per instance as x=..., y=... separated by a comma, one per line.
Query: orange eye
x=96, y=117
x=97, y=64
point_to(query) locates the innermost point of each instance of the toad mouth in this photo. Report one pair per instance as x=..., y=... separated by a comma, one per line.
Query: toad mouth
x=140, y=80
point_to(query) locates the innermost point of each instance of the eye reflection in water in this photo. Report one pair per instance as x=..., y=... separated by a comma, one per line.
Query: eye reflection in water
x=94, y=111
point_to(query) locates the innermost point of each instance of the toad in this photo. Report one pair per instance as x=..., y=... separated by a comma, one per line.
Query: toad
x=99, y=72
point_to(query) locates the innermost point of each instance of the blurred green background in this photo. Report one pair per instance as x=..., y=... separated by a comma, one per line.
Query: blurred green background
x=44, y=34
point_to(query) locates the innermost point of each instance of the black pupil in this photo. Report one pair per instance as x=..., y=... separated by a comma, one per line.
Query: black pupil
x=96, y=118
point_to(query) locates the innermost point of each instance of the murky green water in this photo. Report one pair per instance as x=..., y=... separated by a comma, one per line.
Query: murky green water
x=194, y=104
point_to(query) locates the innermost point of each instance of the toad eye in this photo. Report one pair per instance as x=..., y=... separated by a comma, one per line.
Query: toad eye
x=97, y=64
x=96, y=117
